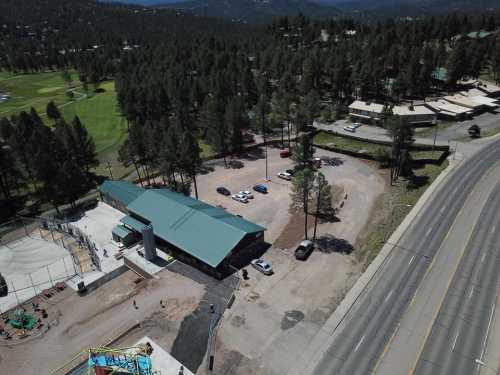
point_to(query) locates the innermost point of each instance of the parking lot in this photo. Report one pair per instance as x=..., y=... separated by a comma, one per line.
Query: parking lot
x=275, y=317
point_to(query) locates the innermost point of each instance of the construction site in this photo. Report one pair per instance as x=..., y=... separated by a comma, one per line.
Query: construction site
x=80, y=301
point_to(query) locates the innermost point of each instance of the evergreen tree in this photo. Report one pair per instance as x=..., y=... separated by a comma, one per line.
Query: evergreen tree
x=301, y=194
x=52, y=112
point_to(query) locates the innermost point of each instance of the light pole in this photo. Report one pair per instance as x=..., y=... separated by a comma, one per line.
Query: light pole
x=392, y=217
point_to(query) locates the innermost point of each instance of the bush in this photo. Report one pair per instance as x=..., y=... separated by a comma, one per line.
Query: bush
x=383, y=156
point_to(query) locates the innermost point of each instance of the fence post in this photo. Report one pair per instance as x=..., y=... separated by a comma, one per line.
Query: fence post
x=50, y=276
x=15, y=292
x=32, y=284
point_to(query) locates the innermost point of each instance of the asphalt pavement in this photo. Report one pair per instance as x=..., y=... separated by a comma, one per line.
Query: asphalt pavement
x=365, y=332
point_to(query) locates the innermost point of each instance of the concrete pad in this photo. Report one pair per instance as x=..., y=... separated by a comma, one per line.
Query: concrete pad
x=31, y=265
x=161, y=360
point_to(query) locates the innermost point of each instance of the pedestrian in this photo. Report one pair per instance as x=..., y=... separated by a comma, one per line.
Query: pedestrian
x=135, y=305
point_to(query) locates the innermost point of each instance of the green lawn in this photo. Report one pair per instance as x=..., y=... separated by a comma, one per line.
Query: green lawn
x=348, y=144
x=99, y=112
x=32, y=90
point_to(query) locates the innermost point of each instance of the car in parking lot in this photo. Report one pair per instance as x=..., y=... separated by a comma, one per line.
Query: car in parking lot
x=304, y=250
x=350, y=128
x=356, y=125
x=285, y=153
x=222, y=190
x=246, y=193
x=285, y=175
x=262, y=266
x=261, y=188
x=240, y=198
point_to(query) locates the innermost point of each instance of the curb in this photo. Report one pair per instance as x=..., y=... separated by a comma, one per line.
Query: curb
x=324, y=337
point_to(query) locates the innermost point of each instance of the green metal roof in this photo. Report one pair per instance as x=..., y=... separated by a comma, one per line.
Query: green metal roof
x=121, y=231
x=133, y=223
x=478, y=34
x=441, y=74
x=122, y=191
x=201, y=230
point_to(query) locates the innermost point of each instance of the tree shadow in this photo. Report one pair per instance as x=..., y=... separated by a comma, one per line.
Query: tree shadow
x=254, y=154
x=332, y=161
x=329, y=244
x=415, y=182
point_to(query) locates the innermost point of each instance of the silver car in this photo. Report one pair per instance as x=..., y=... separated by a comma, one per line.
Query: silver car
x=246, y=193
x=240, y=198
x=262, y=266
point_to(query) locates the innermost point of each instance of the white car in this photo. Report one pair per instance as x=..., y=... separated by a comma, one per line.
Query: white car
x=285, y=175
x=246, y=193
x=349, y=128
x=240, y=198
x=262, y=266
x=356, y=125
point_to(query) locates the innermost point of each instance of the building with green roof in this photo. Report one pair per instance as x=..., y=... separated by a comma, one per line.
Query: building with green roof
x=119, y=193
x=188, y=229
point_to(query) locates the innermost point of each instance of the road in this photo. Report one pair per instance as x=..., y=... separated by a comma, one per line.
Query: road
x=364, y=333
x=460, y=331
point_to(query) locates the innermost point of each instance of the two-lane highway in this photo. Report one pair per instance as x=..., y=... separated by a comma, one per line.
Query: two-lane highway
x=366, y=330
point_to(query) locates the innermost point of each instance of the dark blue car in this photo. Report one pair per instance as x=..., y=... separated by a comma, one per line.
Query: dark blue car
x=260, y=188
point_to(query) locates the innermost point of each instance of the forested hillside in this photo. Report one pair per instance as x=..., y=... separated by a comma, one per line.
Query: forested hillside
x=183, y=80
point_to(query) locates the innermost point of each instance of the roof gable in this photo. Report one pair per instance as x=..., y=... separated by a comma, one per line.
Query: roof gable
x=206, y=232
x=121, y=191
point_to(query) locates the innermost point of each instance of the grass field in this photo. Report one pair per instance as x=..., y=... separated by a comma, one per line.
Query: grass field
x=99, y=112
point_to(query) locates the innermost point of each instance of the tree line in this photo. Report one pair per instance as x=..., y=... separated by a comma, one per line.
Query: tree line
x=52, y=163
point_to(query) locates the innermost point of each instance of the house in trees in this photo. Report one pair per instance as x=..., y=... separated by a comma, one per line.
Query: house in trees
x=206, y=237
x=449, y=111
x=415, y=115
x=366, y=111
x=467, y=102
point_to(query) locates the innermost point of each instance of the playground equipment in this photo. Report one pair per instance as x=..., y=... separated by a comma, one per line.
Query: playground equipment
x=134, y=360
x=22, y=320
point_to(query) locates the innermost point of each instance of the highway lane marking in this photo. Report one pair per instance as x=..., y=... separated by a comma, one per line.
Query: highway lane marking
x=388, y=296
x=487, y=332
x=428, y=232
x=455, y=190
x=492, y=231
x=482, y=258
x=411, y=260
x=454, y=342
x=443, y=208
x=359, y=343
x=471, y=291
x=436, y=313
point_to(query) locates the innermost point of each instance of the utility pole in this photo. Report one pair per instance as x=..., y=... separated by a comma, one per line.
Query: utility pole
x=264, y=134
x=108, y=164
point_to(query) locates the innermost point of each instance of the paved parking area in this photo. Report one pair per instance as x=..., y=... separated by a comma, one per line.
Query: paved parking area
x=275, y=317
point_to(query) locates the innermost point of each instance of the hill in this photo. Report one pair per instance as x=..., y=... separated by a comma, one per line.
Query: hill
x=256, y=10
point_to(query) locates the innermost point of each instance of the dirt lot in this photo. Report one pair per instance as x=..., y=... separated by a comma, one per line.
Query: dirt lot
x=102, y=315
x=275, y=317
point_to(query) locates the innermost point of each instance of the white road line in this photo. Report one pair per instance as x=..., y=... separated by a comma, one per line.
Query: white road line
x=493, y=229
x=388, y=296
x=487, y=332
x=482, y=258
x=454, y=342
x=455, y=190
x=442, y=209
x=471, y=291
x=411, y=260
x=359, y=343
x=428, y=232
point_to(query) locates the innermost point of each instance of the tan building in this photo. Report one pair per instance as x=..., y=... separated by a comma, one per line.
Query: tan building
x=465, y=101
x=365, y=111
x=449, y=111
x=416, y=115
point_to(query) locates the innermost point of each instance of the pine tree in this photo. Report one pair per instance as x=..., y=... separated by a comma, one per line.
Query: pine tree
x=84, y=147
x=52, y=112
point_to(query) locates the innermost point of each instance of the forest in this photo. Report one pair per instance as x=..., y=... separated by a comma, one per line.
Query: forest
x=182, y=78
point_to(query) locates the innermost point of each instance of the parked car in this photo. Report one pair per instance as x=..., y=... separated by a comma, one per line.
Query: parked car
x=285, y=175
x=246, y=193
x=291, y=172
x=262, y=266
x=285, y=153
x=356, y=125
x=261, y=188
x=350, y=128
x=474, y=131
x=304, y=250
x=222, y=190
x=240, y=198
